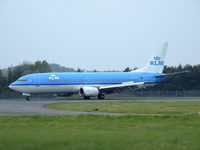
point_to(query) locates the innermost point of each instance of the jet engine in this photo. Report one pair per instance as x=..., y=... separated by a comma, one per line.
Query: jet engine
x=89, y=91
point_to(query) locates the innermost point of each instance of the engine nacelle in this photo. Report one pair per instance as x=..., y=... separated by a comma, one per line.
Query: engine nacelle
x=89, y=91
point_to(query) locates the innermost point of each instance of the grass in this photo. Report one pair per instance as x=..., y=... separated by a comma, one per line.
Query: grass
x=95, y=132
x=160, y=107
x=128, y=97
x=90, y=132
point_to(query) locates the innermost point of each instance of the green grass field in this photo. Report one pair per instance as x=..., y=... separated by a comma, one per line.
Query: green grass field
x=139, y=107
x=89, y=132
x=98, y=132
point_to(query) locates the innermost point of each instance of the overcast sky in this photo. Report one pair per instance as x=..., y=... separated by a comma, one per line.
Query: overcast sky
x=98, y=34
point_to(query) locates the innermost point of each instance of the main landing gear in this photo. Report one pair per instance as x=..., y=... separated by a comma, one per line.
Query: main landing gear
x=101, y=96
x=86, y=97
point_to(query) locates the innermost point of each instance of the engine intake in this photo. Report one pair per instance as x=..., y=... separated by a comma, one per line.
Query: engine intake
x=89, y=91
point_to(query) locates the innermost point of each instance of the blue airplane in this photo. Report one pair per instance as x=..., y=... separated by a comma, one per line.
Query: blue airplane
x=94, y=84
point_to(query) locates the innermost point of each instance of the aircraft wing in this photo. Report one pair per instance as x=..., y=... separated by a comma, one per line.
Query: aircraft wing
x=110, y=88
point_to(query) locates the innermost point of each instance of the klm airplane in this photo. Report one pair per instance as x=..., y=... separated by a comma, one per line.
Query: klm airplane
x=94, y=84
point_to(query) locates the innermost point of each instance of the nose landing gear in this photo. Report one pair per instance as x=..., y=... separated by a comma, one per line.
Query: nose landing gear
x=28, y=98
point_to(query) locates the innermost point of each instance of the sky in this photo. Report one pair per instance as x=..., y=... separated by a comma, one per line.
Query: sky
x=98, y=34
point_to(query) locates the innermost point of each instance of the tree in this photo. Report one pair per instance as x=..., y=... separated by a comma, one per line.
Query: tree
x=28, y=68
x=186, y=81
x=127, y=69
x=80, y=70
x=41, y=66
x=3, y=81
x=10, y=80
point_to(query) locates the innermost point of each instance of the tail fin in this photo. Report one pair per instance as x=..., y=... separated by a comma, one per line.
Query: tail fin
x=156, y=63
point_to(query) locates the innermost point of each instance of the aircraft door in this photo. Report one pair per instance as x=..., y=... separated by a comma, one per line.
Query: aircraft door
x=37, y=81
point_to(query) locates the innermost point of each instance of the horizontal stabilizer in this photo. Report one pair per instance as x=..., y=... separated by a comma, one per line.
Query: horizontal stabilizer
x=172, y=74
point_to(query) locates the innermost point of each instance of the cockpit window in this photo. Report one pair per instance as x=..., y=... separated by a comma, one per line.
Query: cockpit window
x=22, y=80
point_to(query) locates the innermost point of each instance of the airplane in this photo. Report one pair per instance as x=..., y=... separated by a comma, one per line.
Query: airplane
x=94, y=84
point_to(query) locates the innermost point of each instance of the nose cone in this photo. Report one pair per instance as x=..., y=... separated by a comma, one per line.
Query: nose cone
x=15, y=86
x=11, y=86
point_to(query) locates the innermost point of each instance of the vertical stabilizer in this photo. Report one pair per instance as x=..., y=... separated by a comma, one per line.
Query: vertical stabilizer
x=157, y=61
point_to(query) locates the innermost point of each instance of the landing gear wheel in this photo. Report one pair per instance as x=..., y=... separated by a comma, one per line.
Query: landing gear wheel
x=28, y=98
x=101, y=96
x=86, y=97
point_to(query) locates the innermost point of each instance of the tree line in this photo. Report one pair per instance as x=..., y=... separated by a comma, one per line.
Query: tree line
x=13, y=73
x=186, y=81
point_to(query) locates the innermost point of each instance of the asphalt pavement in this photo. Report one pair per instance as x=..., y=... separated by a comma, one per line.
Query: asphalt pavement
x=21, y=107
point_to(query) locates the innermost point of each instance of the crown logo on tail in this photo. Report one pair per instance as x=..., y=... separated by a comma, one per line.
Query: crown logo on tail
x=156, y=58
